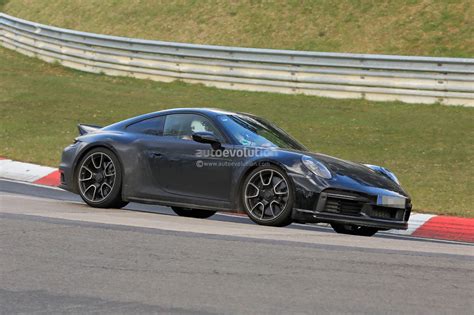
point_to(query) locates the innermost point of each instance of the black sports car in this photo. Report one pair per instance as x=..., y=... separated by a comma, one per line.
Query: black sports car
x=199, y=161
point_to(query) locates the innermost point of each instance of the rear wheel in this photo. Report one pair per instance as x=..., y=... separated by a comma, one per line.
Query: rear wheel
x=354, y=229
x=193, y=213
x=99, y=178
x=267, y=196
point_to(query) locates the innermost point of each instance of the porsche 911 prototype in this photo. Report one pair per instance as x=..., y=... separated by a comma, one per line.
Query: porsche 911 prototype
x=200, y=161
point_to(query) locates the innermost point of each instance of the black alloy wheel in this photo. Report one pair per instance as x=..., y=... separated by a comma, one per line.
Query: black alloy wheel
x=99, y=178
x=267, y=196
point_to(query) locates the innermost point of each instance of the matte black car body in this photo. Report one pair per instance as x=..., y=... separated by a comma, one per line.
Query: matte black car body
x=163, y=170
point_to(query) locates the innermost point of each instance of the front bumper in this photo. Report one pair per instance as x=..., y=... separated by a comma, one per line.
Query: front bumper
x=345, y=207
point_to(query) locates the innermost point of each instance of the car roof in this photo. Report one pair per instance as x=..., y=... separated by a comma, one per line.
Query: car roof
x=202, y=110
x=198, y=110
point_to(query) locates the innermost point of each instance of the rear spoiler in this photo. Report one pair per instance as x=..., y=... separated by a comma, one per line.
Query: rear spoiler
x=85, y=128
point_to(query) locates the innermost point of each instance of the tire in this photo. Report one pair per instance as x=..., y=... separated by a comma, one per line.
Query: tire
x=267, y=196
x=120, y=204
x=99, y=179
x=193, y=213
x=354, y=229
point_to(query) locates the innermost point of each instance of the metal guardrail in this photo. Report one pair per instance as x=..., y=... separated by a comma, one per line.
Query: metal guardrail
x=448, y=81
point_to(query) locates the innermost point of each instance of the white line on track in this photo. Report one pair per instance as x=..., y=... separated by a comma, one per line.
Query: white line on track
x=76, y=211
x=416, y=220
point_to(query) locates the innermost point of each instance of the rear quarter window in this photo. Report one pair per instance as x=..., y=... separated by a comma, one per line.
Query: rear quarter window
x=150, y=126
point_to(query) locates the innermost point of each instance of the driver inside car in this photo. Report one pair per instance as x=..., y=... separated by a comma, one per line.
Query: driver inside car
x=196, y=126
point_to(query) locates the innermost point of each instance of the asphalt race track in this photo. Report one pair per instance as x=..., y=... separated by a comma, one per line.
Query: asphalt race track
x=59, y=256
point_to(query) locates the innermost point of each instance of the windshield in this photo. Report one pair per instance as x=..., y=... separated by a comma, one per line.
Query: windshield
x=256, y=132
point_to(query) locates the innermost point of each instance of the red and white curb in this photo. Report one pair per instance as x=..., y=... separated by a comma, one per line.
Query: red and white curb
x=420, y=225
x=27, y=172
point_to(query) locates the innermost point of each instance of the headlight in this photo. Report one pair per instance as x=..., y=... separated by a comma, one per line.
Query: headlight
x=384, y=171
x=316, y=167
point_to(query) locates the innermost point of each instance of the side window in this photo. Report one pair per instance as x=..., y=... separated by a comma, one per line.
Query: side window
x=151, y=126
x=182, y=126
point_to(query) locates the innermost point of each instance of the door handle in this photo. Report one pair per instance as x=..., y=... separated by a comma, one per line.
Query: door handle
x=155, y=155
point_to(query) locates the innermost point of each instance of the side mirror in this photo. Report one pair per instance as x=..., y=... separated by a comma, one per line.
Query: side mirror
x=207, y=137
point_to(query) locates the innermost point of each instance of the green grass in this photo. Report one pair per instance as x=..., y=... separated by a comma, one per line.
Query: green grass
x=430, y=147
x=2, y=3
x=406, y=27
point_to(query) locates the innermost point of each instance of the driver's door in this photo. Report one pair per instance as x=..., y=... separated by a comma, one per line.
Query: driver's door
x=187, y=168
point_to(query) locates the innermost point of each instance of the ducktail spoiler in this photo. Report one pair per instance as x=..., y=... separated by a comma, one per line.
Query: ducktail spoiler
x=84, y=128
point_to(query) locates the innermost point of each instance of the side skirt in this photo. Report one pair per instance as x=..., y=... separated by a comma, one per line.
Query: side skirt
x=222, y=207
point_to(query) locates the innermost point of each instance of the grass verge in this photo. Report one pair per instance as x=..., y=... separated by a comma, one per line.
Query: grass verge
x=430, y=147
x=405, y=27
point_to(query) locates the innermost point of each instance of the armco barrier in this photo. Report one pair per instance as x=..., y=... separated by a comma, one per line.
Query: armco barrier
x=449, y=81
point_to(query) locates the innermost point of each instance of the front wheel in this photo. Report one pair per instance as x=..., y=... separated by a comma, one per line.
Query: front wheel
x=354, y=229
x=193, y=213
x=267, y=196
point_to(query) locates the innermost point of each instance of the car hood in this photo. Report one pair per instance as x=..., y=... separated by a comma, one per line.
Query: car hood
x=356, y=175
